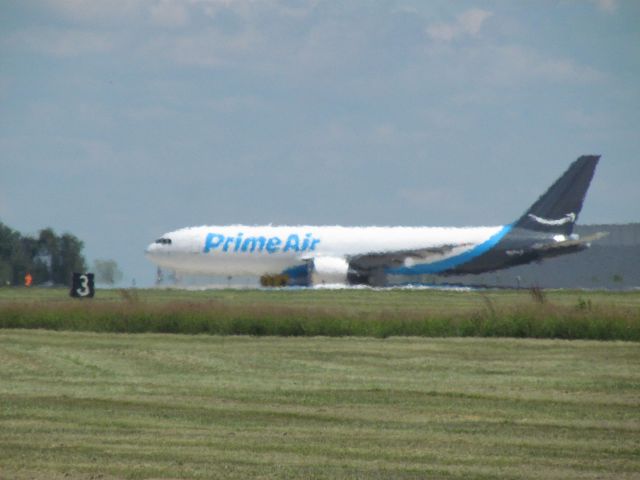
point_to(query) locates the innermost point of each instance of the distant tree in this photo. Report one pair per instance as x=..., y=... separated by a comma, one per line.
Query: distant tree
x=107, y=271
x=48, y=258
x=46, y=261
x=71, y=259
x=6, y=273
x=8, y=243
x=8, y=238
x=22, y=258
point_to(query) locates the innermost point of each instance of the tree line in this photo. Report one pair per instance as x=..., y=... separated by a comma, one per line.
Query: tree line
x=47, y=257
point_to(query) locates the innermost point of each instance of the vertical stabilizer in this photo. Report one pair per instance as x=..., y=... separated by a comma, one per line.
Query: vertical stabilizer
x=557, y=210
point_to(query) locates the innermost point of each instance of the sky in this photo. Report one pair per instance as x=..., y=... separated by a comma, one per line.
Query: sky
x=122, y=120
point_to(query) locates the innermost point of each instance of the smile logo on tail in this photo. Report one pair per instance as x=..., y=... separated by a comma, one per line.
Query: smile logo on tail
x=568, y=218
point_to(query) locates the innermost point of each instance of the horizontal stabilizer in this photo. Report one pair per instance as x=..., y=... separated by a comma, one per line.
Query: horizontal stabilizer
x=568, y=246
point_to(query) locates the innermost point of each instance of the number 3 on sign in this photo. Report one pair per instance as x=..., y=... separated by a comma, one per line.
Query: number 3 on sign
x=82, y=285
x=84, y=290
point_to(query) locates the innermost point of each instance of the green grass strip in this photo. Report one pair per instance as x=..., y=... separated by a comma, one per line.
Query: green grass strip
x=583, y=320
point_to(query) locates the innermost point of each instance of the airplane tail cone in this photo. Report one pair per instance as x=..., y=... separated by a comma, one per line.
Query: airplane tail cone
x=557, y=210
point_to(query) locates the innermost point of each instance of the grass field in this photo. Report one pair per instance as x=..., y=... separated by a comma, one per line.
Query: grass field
x=86, y=405
x=81, y=404
x=429, y=313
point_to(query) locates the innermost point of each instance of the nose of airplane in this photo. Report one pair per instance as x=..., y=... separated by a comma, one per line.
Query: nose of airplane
x=149, y=251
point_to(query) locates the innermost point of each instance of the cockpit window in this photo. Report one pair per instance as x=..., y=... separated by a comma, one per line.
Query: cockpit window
x=163, y=241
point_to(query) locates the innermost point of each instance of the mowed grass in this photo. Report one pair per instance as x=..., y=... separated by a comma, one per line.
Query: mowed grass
x=308, y=312
x=87, y=405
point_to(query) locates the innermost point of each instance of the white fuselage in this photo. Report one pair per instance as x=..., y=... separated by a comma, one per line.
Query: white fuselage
x=258, y=250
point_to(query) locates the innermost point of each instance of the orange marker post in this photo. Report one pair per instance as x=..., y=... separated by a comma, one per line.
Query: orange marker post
x=28, y=280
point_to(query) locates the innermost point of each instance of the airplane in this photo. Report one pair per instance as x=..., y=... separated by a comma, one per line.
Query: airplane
x=321, y=255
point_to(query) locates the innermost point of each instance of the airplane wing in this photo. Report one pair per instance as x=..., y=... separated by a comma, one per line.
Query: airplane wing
x=404, y=258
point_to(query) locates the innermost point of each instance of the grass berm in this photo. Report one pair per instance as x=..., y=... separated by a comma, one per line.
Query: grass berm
x=368, y=313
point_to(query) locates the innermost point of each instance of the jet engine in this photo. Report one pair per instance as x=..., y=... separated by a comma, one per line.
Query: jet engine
x=329, y=270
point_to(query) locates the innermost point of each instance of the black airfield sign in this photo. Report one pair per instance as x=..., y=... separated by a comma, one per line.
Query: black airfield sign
x=82, y=285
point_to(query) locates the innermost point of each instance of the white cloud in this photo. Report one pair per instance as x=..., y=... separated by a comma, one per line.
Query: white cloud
x=468, y=23
x=471, y=21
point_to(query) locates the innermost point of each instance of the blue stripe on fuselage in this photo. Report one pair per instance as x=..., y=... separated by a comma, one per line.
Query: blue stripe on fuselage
x=455, y=261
